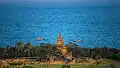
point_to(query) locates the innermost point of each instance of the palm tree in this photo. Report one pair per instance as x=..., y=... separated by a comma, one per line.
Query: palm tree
x=72, y=45
x=28, y=50
x=29, y=45
x=19, y=46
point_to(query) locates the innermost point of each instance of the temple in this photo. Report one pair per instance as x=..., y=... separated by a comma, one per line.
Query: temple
x=62, y=48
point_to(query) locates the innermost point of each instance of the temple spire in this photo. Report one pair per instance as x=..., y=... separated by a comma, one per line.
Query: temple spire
x=62, y=48
x=60, y=40
x=60, y=45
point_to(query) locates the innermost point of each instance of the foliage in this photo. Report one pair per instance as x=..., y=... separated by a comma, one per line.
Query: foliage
x=113, y=65
x=28, y=67
x=2, y=50
x=76, y=50
x=45, y=50
x=115, y=57
x=65, y=66
x=19, y=44
x=15, y=63
x=72, y=66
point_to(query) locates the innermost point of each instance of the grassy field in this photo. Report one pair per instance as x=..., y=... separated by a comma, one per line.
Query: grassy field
x=71, y=66
x=60, y=66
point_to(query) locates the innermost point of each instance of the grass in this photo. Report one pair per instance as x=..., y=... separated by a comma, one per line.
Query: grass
x=72, y=66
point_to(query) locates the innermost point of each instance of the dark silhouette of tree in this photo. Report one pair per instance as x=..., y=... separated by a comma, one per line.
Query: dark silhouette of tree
x=46, y=49
x=2, y=51
x=19, y=46
x=76, y=50
x=28, y=50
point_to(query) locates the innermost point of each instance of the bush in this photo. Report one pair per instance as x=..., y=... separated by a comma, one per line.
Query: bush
x=115, y=57
x=5, y=66
x=66, y=66
x=28, y=67
x=8, y=66
x=113, y=66
x=15, y=63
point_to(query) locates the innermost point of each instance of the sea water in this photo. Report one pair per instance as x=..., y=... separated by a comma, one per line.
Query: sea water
x=96, y=26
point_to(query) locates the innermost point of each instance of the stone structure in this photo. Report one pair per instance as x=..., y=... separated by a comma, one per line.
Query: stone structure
x=62, y=48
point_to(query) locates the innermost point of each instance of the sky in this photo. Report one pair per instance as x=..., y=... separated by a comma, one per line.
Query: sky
x=63, y=3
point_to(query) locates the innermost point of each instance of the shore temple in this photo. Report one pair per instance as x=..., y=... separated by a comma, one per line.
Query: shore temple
x=62, y=48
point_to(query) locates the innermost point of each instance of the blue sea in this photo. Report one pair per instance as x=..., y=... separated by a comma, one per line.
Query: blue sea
x=96, y=26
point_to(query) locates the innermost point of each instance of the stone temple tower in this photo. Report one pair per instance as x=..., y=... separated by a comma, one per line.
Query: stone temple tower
x=60, y=45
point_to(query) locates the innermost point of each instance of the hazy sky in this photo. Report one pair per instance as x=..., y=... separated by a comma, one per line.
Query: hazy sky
x=65, y=2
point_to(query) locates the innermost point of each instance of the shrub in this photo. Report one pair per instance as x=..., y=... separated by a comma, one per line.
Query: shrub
x=113, y=66
x=15, y=63
x=28, y=67
x=66, y=66
x=115, y=57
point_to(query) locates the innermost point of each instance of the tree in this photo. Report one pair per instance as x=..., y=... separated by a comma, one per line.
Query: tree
x=28, y=49
x=76, y=50
x=115, y=57
x=72, y=45
x=2, y=51
x=19, y=46
x=28, y=45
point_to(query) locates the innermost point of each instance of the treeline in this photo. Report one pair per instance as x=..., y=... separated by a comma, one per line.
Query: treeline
x=48, y=50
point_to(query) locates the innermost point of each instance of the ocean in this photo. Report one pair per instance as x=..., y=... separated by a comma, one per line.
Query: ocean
x=96, y=26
